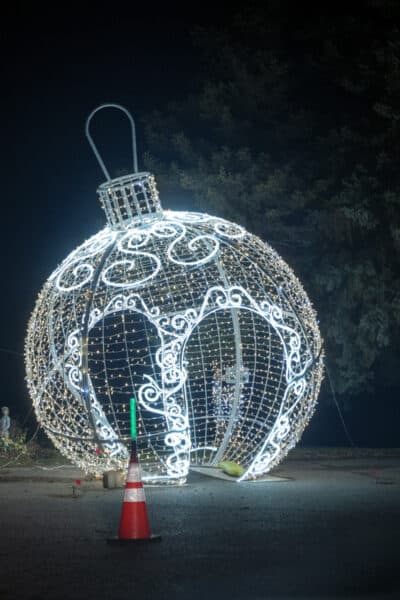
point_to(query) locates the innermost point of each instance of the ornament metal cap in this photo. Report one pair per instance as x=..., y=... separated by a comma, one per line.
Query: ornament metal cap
x=130, y=198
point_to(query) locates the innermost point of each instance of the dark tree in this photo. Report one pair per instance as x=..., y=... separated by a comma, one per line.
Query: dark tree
x=294, y=132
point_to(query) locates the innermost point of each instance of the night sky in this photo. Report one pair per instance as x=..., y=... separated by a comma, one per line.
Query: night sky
x=56, y=69
x=57, y=66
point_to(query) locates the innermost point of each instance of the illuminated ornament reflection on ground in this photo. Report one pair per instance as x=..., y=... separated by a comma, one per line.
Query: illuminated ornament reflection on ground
x=203, y=323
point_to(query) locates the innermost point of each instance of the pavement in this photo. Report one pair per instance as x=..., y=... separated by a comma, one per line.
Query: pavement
x=321, y=529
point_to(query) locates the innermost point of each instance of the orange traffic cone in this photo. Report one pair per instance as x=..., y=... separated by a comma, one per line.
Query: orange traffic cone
x=134, y=525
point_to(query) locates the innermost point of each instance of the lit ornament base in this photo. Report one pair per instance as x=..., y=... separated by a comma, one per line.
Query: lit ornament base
x=201, y=321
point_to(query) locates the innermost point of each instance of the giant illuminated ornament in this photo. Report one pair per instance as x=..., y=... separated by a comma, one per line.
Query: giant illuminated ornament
x=198, y=319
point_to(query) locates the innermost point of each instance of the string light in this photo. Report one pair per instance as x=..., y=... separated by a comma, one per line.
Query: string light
x=204, y=324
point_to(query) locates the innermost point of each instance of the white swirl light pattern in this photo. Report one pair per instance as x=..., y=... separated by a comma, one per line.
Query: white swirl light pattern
x=202, y=322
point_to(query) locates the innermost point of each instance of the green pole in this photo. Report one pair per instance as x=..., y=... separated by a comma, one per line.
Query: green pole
x=133, y=418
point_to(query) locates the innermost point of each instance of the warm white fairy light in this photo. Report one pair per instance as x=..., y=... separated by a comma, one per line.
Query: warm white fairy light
x=199, y=320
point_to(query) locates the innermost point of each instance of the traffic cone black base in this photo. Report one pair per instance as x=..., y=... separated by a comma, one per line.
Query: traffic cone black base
x=116, y=541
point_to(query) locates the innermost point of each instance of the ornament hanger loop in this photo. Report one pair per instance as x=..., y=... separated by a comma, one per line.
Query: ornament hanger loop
x=93, y=145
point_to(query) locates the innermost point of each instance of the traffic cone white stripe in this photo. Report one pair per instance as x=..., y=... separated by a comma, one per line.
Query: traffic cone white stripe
x=133, y=473
x=134, y=495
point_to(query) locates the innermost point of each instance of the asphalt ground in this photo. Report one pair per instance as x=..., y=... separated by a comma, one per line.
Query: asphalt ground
x=330, y=529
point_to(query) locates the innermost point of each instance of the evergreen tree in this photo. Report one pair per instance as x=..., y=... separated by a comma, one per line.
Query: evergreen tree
x=294, y=133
